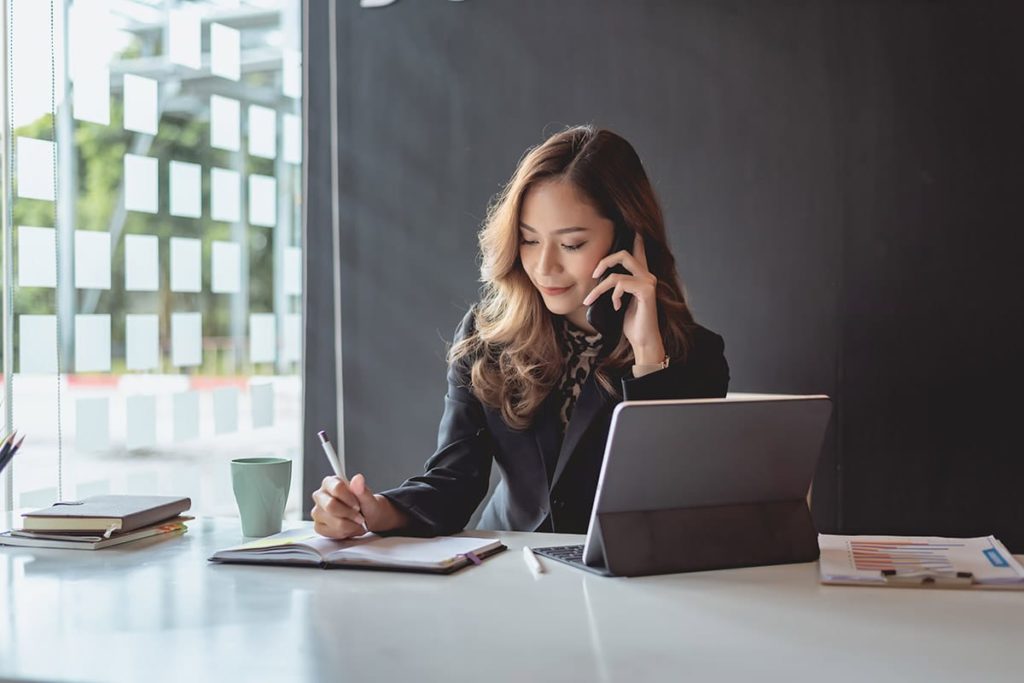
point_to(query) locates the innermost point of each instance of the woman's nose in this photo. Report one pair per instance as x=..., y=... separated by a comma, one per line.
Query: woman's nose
x=548, y=262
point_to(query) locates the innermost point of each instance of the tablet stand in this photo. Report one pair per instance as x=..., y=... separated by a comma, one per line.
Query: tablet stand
x=715, y=537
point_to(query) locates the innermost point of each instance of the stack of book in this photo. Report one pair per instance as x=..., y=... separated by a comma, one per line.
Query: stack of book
x=99, y=522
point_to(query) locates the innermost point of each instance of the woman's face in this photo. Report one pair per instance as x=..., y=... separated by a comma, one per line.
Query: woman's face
x=561, y=239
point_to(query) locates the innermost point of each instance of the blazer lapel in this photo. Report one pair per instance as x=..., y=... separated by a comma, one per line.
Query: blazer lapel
x=590, y=402
x=547, y=430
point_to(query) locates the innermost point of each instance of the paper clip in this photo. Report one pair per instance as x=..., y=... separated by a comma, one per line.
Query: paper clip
x=929, y=579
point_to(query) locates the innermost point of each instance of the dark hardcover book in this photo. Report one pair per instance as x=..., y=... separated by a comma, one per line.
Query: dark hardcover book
x=105, y=513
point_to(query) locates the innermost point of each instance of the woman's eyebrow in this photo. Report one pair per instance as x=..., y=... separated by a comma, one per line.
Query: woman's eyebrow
x=560, y=231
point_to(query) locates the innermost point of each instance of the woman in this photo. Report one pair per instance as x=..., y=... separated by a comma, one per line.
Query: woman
x=531, y=383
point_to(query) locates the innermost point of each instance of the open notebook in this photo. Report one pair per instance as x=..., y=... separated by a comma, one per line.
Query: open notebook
x=442, y=555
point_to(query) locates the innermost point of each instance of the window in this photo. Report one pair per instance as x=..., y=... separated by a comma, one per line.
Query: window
x=154, y=269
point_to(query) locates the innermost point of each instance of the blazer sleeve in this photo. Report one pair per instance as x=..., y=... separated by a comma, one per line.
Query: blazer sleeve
x=442, y=499
x=704, y=374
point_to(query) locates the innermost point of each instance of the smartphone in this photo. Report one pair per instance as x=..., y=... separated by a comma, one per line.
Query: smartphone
x=601, y=314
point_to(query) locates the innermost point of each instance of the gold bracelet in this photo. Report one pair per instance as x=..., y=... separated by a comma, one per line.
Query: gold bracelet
x=660, y=365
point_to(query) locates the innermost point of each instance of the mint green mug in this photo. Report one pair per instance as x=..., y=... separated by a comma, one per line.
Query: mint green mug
x=261, y=490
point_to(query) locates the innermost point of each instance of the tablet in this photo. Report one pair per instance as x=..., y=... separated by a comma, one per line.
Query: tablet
x=696, y=484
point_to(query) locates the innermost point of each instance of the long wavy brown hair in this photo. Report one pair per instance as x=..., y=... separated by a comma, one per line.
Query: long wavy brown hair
x=514, y=353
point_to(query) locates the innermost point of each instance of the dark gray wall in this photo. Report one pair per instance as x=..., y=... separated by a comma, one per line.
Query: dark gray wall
x=792, y=145
x=932, y=167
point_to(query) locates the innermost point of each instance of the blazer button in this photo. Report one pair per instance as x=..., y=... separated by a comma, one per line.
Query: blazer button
x=558, y=504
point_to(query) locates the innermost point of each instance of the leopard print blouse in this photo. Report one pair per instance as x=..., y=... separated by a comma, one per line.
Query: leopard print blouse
x=581, y=350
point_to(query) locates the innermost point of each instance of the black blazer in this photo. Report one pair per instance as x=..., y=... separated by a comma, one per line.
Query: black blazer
x=547, y=484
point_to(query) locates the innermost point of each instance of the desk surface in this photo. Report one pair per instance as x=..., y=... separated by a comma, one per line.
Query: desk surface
x=156, y=611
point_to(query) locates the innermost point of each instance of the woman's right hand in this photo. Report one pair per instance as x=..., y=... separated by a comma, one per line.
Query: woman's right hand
x=346, y=510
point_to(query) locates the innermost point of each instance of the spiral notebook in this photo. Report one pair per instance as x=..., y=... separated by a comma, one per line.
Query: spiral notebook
x=303, y=547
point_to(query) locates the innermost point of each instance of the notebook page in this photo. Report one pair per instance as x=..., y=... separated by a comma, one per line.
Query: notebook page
x=290, y=544
x=413, y=552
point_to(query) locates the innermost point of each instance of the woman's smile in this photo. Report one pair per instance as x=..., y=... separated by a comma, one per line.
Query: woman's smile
x=555, y=291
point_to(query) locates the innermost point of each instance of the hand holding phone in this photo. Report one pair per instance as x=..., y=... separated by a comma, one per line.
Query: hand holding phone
x=601, y=315
x=637, y=289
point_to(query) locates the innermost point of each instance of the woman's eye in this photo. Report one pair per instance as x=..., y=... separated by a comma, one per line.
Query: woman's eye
x=568, y=247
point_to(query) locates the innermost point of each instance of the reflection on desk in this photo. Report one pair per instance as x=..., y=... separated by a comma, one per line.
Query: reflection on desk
x=157, y=610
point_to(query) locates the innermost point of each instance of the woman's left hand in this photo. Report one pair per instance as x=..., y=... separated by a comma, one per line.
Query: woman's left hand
x=641, y=322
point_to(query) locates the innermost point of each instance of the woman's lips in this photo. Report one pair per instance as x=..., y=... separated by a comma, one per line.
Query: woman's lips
x=555, y=291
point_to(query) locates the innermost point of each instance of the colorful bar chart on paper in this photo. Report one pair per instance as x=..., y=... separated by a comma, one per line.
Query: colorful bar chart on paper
x=902, y=556
x=864, y=559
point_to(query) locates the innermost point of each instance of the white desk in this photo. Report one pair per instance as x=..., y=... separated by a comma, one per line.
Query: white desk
x=157, y=611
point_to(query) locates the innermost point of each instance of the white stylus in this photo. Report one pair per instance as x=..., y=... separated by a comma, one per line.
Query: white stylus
x=536, y=568
x=332, y=457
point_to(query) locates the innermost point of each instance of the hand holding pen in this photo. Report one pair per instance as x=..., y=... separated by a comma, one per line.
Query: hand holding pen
x=8, y=448
x=349, y=508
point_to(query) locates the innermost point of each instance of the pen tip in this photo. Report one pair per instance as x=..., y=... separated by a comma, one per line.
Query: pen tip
x=322, y=434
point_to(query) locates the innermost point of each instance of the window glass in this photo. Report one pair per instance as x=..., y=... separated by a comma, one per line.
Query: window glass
x=157, y=260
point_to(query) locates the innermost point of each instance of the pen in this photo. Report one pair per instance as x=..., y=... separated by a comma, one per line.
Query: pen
x=332, y=457
x=536, y=568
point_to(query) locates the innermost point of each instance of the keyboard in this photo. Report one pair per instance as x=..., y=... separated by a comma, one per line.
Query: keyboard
x=571, y=555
